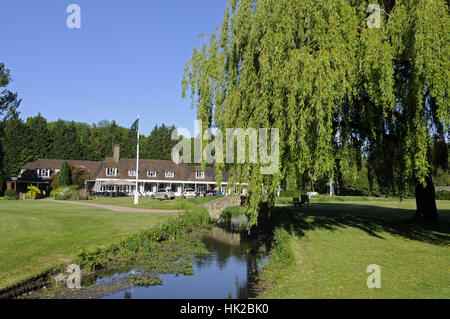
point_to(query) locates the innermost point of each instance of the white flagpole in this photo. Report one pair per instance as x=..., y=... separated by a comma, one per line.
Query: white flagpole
x=136, y=194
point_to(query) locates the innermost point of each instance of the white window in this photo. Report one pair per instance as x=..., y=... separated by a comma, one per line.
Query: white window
x=200, y=175
x=131, y=172
x=111, y=171
x=151, y=173
x=43, y=172
x=170, y=174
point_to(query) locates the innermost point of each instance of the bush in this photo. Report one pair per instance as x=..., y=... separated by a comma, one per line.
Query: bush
x=174, y=228
x=283, y=255
x=442, y=195
x=10, y=194
x=79, y=176
x=2, y=183
x=33, y=192
x=64, y=193
x=89, y=258
x=177, y=227
x=79, y=194
x=54, y=182
x=64, y=175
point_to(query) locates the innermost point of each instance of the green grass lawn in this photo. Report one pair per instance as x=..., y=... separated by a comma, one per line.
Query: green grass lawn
x=36, y=235
x=148, y=203
x=333, y=242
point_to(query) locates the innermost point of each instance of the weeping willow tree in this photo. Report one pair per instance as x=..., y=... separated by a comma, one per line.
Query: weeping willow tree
x=337, y=85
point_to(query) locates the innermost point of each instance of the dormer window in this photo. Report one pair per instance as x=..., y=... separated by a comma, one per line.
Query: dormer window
x=43, y=172
x=132, y=172
x=170, y=174
x=151, y=173
x=111, y=171
x=200, y=175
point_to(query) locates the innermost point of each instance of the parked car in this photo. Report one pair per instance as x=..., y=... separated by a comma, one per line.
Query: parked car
x=189, y=193
x=212, y=193
x=163, y=194
x=147, y=193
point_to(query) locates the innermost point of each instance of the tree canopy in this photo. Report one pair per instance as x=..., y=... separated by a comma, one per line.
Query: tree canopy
x=337, y=88
x=36, y=138
x=8, y=100
x=8, y=106
x=159, y=144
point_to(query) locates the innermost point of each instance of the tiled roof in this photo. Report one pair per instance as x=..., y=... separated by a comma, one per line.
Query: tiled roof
x=182, y=172
x=29, y=169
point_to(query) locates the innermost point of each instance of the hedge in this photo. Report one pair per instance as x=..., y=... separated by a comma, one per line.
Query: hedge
x=65, y=193
x=442, y=195
x=10, y=194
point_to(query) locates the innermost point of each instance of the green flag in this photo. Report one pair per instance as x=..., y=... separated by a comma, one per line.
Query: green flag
x=135, y=126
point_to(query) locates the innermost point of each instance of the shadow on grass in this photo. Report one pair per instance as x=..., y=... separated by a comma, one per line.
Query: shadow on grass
x=374, y=220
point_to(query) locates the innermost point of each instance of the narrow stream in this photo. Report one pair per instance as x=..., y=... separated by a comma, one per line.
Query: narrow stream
x=228, y=272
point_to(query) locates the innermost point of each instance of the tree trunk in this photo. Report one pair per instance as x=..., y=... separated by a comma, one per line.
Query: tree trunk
x=311, y=181
x=426, y=201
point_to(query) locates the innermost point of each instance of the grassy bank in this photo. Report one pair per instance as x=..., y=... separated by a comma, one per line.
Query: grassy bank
x=37, y=235
x=148, y=203
x=324, y=251
x=138, y=246
x=165, y=248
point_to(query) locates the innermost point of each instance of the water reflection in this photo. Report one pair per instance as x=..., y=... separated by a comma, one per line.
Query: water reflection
x=228, y=272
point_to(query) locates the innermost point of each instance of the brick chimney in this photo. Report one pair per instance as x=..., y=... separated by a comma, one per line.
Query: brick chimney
x=116, y=154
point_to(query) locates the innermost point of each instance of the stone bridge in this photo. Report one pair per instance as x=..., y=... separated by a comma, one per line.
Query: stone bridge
x=216, y=206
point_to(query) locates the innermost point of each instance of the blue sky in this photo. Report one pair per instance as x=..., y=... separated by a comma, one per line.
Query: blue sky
x=127, y=58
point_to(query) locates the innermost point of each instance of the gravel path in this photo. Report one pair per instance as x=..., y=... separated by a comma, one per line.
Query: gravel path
x=118, y=208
